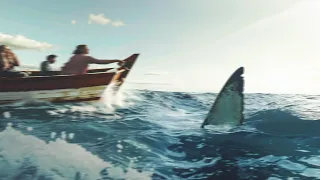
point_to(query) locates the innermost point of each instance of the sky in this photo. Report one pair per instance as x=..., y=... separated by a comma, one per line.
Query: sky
x=183, y=45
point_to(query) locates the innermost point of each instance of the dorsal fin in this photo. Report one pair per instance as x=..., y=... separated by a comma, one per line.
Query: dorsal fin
x=228, y=106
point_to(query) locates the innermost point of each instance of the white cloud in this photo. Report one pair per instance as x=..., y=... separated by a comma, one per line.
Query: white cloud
x=98, y=19
x=73, y=22
x=101, y=19
x=117, y=23
x=21, y=42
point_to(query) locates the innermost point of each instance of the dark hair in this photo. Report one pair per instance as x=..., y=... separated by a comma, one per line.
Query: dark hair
x=2, y=48
x=79, y=49
x=51, y=56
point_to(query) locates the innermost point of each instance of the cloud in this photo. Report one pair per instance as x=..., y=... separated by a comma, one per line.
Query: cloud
x=117, y=23
x=98, y=19
x=101, y=19
x=73, y=22
x=21, y=42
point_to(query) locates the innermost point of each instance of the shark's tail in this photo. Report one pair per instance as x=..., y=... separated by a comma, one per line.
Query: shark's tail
x=228, y=106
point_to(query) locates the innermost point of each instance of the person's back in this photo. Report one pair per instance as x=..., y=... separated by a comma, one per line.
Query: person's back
x=78, y=63
x=3, y=62
x=12, y=59
x=45, y=68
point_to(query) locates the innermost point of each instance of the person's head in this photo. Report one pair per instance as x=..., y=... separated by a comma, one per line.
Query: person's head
x=81, y=49
x=7, y=52
x=51, y=58
x=4, y=49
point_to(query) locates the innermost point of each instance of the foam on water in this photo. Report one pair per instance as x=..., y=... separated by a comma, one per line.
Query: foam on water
x=24, y=156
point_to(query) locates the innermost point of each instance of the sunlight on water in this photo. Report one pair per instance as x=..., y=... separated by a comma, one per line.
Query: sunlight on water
x=56, y=159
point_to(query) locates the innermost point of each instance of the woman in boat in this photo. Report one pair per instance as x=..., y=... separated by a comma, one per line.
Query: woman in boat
x=79, y=62
x=8, y=60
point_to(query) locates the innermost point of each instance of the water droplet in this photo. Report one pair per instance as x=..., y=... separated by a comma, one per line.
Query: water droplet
x=53, y=135
x=9, y=124
x=119, y=146
x=6, y=114
x=63, y=135
x=71, y=135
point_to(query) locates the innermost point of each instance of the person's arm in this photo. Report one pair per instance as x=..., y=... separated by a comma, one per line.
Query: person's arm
x=92, y=60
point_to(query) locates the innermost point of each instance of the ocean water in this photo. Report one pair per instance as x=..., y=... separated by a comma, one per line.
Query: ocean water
x=144, y=135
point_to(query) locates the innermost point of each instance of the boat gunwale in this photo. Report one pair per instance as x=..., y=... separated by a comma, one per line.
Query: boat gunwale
x=61, y=76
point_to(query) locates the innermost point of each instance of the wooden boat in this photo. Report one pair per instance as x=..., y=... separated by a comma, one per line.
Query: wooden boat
x=64, y=88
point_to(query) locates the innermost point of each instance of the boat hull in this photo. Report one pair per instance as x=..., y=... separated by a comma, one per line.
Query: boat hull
x=56, y=96
x=63, y=88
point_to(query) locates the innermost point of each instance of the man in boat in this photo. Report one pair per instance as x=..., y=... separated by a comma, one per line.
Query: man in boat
x=8, y=60
x=45, y=68
x=79, y=62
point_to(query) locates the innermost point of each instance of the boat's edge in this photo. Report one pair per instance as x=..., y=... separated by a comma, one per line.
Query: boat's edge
x=117, y=80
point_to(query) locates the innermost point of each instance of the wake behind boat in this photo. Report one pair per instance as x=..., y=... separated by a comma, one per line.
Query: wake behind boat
x=64, y=88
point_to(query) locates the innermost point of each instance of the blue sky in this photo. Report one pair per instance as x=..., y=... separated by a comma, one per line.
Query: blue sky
x=184, y=45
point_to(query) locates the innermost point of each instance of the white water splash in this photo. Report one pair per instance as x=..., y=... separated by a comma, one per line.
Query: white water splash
x=25, y=156
x=122, y=98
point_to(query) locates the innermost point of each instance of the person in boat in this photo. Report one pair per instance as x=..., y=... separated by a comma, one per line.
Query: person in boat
x=45, y=68
x=8, y=60
x=79, y=62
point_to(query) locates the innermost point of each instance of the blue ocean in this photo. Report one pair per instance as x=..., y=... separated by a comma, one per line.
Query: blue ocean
x=144, y=134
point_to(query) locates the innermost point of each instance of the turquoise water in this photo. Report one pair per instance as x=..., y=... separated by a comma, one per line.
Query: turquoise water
x=156, y=135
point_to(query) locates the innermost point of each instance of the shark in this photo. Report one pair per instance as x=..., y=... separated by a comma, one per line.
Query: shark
x=228, y=106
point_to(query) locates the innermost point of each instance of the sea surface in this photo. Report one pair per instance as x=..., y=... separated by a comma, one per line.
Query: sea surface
x=143, y=134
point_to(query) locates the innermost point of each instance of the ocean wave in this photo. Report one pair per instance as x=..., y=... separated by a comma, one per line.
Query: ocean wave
x=25, y=156
x=156, y=135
